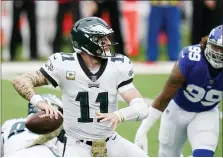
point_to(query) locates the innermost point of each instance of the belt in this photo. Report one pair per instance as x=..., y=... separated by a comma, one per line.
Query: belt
x=90, y=142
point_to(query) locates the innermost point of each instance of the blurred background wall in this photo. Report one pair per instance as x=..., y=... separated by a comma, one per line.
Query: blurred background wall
x=146, y=30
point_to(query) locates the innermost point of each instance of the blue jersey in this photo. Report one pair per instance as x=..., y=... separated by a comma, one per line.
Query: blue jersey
x=201, y=91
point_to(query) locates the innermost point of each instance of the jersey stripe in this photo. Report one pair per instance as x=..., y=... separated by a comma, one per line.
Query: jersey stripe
x=45, y=74
x=125, y=83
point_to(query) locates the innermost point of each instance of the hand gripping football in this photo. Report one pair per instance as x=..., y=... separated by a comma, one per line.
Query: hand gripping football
x=40, y=123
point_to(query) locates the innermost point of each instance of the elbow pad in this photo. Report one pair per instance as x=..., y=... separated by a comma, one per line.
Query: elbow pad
x=137, y=110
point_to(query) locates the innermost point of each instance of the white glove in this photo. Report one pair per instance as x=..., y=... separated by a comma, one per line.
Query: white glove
x=142, y=141
x=141, y=134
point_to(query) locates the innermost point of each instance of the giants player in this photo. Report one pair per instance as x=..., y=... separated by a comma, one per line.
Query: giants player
x=90, y=81
x=190, y=100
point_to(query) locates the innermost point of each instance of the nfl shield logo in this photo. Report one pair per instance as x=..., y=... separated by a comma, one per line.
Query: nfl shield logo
x=93, y=78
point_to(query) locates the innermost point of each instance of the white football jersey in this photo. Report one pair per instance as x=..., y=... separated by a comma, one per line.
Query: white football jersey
x=16, y=136
x=85, y=93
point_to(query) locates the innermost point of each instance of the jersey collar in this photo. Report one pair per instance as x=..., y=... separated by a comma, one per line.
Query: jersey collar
x=90, y=75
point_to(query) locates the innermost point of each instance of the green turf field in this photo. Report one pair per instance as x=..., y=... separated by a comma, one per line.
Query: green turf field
x=14, y=106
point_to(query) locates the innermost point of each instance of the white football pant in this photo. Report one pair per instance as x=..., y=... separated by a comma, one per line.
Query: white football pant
x=201, y=129
x=116, y=147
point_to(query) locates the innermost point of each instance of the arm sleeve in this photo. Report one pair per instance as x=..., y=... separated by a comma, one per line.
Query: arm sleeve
x=52, y=69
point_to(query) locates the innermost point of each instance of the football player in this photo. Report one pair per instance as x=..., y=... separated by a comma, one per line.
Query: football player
x=90, y=80
x=189, y=101
x=17, y=139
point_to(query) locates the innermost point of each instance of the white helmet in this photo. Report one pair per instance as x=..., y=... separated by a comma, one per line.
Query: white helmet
x=214, y=48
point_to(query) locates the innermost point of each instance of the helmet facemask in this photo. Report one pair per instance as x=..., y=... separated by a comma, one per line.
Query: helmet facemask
x=214, y=47
x=214, y=55
x=105, y=46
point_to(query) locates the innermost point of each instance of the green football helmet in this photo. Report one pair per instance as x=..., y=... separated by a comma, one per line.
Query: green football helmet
x=91, y=35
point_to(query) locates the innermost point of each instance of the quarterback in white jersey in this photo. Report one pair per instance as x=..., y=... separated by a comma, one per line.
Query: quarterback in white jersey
x=90, y=81
x=85, y=93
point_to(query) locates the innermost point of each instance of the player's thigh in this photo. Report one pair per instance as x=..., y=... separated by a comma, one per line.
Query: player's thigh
x=37, y=151
x=172, y=132
x=203, y=131
x=75, y=148
x=124, y=148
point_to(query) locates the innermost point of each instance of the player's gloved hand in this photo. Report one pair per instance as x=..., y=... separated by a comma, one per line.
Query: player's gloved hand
x=142, y=141
x=112, y=117
x=50, y=110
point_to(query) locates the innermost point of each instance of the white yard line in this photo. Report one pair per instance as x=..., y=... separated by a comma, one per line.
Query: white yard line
x=12, y=69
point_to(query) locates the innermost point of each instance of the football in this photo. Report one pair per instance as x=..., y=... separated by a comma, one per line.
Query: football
x=40, y=123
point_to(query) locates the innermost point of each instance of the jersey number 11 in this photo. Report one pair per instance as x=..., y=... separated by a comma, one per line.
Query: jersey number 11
x=82, y=97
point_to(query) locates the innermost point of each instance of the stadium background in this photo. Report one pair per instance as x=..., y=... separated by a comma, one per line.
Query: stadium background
x=149, y=78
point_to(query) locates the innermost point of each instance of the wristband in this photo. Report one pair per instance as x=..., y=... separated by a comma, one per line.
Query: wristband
x=35, y=99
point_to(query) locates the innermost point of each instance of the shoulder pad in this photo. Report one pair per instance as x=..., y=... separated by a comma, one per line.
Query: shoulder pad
x=58, y=59
x=67, y=56
x=188, y=57
x=55, y=60
x=191, y=53
x=10, y=122
x=124, y=68
x=122, y=62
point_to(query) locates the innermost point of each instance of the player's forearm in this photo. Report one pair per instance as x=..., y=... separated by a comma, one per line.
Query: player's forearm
x=137, y=110
x=161, y=102
x=174, y=82
x=25, y=83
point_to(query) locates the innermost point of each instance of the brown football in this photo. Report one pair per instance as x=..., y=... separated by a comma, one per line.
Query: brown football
x=40, y=123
